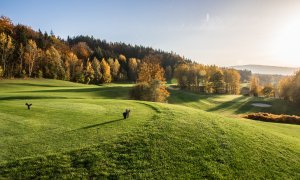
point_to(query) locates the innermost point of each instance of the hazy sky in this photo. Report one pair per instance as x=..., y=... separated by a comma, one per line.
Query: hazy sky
x=224, y=32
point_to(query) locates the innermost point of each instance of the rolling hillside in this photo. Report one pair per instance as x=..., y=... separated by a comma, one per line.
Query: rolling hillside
x=77, y=131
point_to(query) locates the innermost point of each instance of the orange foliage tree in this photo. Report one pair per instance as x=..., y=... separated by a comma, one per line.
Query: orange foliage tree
x=151, y=82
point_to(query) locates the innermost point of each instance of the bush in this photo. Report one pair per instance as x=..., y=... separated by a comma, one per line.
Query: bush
x=268, y=117
x=23, y=74
x=140, y=91
x=245, y=91
x=40, y=74
x=154, y=91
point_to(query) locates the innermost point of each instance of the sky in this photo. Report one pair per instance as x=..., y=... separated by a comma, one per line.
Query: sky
x=221, y=32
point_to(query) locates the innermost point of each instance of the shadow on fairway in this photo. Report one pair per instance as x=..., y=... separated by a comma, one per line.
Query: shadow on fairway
x=116, y=92
x=234, y=104
x=184, y=96
x=35, y=85
x=100, y=124
x=31, y=97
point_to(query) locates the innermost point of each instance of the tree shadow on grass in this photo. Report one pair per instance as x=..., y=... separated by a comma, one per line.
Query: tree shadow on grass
x=234, y=104
x=31, y=97
x=116, y=92
x=247, y=107
x=184, y=96
x=100, y=124
x=35, y=85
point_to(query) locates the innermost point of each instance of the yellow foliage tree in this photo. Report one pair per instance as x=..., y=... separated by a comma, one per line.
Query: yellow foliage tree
x=105, y=70
x=30, y=55
x=151, y=82
x=132, y=69
x=254, y=86
x=70, y=65
x=97, y=70
x=6, y=48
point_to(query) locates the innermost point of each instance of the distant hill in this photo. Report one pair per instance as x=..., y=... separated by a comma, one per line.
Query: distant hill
x=263, y=69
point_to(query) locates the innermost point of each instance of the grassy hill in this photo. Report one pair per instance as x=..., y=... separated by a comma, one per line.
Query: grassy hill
x=232, y=105
x=77, y=131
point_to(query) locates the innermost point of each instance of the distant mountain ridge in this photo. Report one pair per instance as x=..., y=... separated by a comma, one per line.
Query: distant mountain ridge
x=265, y=69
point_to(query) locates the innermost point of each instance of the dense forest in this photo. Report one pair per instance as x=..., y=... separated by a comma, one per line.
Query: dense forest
x=29, y=53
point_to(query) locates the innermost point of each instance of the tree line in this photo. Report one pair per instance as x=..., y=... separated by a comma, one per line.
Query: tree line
x=28, y=53
x=207, y=79
x=84, y=59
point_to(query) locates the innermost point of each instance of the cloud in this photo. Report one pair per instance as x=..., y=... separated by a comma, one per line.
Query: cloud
x=207, y=17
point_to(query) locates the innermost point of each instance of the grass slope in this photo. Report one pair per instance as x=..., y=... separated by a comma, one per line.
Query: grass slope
x=77, y=131
x=231, y=104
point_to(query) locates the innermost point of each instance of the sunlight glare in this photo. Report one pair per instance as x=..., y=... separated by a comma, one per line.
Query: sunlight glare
x=286, y=46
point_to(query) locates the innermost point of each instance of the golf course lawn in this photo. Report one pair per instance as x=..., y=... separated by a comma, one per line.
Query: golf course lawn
x=77, y=131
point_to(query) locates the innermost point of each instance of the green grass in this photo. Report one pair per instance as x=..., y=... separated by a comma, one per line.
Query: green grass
x=231, y=104
x=76, y=131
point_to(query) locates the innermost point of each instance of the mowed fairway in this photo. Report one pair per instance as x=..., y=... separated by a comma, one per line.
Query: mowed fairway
x=77, y=131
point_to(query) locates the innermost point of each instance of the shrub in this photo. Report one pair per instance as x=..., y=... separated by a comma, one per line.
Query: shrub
x=153, y=91
x=268, y=117
x=140, y=91
x=245, y=91
x=40, y=74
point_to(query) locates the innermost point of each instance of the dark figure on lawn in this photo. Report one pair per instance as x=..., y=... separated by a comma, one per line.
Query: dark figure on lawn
x=28, y=105
x=126, y=113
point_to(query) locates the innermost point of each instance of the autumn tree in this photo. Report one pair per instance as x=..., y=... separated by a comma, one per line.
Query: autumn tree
x=1, y=72
x=39, y=65
x=122, y=58
x=158, y=91
x=79, y=74
x=191, y=76
x=151, y=82
x=105, y=71
x=217, y=80
x=254, y=86
x=245, y=75
x=181, y=74
x=150, y=69
x=6, y=49
x=31, y=52
x=97, y=70
x=6, y=25
x=123, y=72
x=54, y=66
x=232, y=81
x=114, y=68
x=295, y=94
x=289, y=88
x=89, y=73
x=268, y=90
x=132, y=69
x=70, y=65
x=285, y=88
x=82, y=50
x=21, y=58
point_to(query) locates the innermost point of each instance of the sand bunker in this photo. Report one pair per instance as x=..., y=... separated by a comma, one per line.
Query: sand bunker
x=261, y=105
